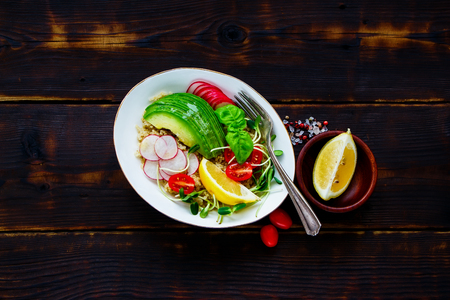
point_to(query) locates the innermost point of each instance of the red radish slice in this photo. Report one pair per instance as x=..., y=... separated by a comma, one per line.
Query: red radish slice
x=201, y=87
x=218, y=102
x=166, y=147
x=151, y=169
x=193, y=163
x=201, y=92
x=147, y=147
x=164, y=175
x=223, y=103
x=160, y=147
x=210, y=93
x=213, y=90
x=193, y=86
x=174, y=165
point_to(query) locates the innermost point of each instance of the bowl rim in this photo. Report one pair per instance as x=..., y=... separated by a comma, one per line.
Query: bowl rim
x=359, y=143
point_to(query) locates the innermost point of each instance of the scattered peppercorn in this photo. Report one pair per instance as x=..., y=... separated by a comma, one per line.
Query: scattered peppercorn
x=301, y=132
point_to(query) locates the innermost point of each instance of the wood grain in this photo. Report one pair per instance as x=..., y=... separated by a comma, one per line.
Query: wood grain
x=189, y=264
x=72, y=227
x=59, y=170
x=288, y=51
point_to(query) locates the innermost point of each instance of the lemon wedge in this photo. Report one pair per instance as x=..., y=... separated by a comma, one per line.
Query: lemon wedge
x=225, y=189
x=334, y=166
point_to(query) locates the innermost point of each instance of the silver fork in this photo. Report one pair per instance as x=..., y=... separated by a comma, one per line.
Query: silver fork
x=253, y=109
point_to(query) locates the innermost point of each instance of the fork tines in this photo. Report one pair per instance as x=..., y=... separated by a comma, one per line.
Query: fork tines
x=245, y=103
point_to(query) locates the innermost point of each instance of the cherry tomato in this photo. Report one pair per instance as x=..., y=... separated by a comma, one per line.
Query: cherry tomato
x=178, y=181
x=280, y=219
x=256, y=156
x=239, y=172
x=228, y=155
x=269, y=235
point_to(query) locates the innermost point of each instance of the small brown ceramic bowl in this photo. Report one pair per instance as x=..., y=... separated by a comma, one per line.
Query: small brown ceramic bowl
x=361, y=186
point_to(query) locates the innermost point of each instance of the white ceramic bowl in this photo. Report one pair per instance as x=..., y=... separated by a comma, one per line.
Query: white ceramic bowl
x=177, y=80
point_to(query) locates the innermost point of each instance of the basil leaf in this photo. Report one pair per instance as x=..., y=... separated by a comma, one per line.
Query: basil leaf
x=273, y=137
x=241, y=144
x=238, y=125
x=229, y=114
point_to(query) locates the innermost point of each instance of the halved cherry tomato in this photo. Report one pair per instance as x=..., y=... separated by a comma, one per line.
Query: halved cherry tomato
x=239, y=172
x=228, y=155
x=254, y=159
x=178, y=181
x=269, y=235
x=280, y=218
x=256, y=156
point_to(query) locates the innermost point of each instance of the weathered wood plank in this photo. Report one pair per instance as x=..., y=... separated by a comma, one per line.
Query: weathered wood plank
x=59, y=171
x=179, y=264
x=310, y=51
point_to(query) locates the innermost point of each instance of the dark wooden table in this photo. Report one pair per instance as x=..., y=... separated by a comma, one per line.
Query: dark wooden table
x=71, y=226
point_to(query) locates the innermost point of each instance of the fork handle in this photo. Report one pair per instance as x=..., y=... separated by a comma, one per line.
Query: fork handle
x=309, y=219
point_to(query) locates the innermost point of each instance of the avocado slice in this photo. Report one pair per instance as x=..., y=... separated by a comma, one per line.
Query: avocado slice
x=190, y=118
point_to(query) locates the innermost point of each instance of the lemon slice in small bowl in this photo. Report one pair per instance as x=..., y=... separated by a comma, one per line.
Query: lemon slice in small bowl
x=334, y=166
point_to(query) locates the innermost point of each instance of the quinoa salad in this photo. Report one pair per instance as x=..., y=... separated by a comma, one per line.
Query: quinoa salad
x=200, y=200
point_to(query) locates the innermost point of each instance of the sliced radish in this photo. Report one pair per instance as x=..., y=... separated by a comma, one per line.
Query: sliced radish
x=147, y=147
x=210, y=93
x=166, y=147
x=164, y=175
x=223, y=103
x=193, y=163
x=200, y=88
x=151, y=169
x=204, y=89
x=200, y=84
x=174, y=165
x=194, y=85
x=220, y=101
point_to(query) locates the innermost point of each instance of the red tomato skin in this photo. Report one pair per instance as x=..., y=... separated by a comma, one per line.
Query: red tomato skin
x=228, y=155
x=269, y=235
x=280, y=218
x=239, y=172
x=187, y=188
x=256, y=156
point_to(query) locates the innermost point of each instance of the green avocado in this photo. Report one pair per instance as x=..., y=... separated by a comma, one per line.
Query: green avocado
x=191, y=119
